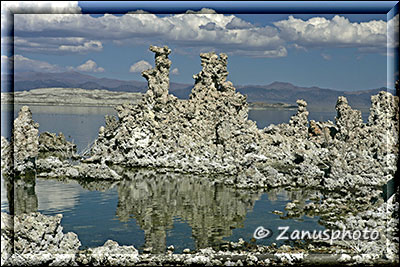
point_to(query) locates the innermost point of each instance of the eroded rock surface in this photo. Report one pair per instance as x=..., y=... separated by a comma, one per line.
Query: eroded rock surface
x=25, y=141
x=36, y=239
x=6, y=156
x=56, y=144
x=211, y=134
x=158, y=77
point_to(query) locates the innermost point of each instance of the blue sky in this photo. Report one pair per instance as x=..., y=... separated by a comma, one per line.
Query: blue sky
x=346, y=52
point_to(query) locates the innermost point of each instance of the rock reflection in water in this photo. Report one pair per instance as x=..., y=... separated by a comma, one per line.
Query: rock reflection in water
x=21, y=195
x=212, y=210
x=152, y=202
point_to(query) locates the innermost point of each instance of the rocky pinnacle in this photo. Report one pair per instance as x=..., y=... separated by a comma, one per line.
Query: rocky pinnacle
x=158, y=77
x=213, y=75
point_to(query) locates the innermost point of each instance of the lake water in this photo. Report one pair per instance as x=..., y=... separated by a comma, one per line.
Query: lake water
x=152, y=210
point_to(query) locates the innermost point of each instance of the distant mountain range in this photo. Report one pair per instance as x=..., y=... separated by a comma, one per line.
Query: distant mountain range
x=276, y=92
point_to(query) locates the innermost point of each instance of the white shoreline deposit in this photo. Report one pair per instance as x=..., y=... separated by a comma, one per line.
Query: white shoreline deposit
x=70, y=96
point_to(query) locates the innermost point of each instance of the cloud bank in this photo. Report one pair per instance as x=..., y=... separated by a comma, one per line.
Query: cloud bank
x=217, y=31
x=21, y=64
x=337, y=32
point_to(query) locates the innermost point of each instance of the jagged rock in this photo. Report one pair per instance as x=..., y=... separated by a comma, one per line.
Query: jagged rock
x=190, y=135
x=384, y=121
x=322, y=132
x=212, y=76
x=314, y=129
x=384, y=219
x=299, y=122
x=37, y=239
x=348, y=120
x=110, y=254
x=7, y=227
x=53, y=143
x=53, y=167
x=25, y=141
x=6, y=156
x=210, y=134
x=158, y=77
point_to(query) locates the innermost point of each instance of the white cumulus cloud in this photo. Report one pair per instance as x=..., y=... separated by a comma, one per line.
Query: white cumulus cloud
x=226, y=33
x=393, y=32
x=140, y=66
x=89, y=66
x=22, y=63
x=38, y=7
x=326, y=56
x=85, y=47
x=175, y=71
x=58, y=7
x=56, y=45
x=197, y=31
x=335, y=32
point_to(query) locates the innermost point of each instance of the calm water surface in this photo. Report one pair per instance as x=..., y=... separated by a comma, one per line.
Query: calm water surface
x=150, y=210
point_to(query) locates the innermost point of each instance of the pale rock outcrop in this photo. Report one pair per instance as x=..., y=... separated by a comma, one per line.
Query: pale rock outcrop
x=210, y=134
x=56, y=144
x=348, y=120
x=299, y=122
x=25, y=141
x=36, y=239
x=364, y=153
x=158, y=77
x=110, y=254
x=6, y=156
x=203, y=134
x=212, y=76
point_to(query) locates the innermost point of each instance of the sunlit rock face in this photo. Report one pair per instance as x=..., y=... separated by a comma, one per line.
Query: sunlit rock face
x=211, y=210
x=364, y=153
x=158, y=77
x=210, y=134
x=25, y=141
x=36, y=239
x=6, y=156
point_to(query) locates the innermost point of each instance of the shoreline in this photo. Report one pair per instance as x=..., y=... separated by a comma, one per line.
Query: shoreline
x=210, y=134
x=97, y=98
x=40, y=239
